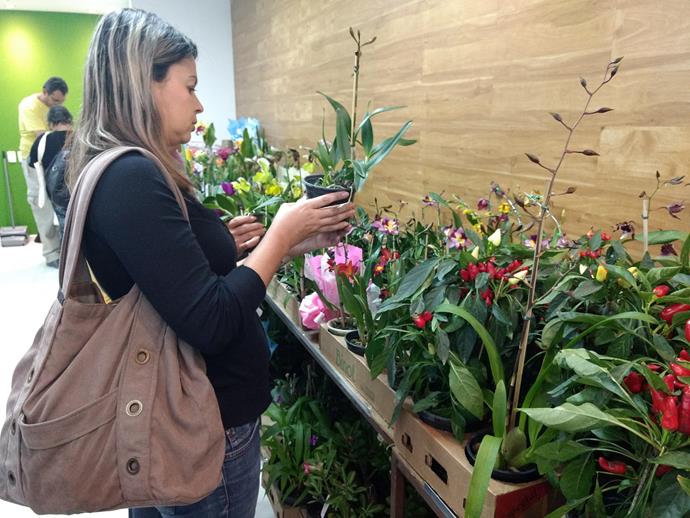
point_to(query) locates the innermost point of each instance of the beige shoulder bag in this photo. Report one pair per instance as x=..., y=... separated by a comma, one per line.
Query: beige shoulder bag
x=108, y=408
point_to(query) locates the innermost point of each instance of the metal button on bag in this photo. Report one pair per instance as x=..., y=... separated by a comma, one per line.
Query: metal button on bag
x=134, y=408
x=142, y=357
x=133, y=466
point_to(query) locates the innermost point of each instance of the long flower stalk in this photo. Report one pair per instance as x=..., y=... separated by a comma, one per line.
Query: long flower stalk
x=544, y=211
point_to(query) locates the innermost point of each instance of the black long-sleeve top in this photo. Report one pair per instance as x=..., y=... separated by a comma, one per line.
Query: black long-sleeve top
x=136, y=233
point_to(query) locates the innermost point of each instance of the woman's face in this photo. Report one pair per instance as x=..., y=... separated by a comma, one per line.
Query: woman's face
x=177, y=103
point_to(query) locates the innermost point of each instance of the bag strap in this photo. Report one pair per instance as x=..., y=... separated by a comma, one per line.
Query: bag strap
x=38, y=165
x=42, y=146
x=73, y=268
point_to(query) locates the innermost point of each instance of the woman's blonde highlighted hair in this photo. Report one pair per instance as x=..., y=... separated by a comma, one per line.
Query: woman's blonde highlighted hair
x=130, y=50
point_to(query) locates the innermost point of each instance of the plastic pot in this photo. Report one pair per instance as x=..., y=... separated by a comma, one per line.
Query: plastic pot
x=334, y=328
x=314, y=189
x=353, y=343
x=527, y=473
x=436, y=421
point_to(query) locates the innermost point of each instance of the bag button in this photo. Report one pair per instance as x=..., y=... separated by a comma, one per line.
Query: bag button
x=134, y=408
x=133, y=466
x=10, y=477
x=142, y=356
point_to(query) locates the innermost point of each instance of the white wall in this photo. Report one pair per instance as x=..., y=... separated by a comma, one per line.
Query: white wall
x=209, y=25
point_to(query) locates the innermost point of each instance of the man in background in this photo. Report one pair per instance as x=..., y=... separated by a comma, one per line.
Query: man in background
x=33, y=121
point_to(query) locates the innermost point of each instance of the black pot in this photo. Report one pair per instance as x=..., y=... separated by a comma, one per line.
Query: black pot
x=314, y=190
x=437, y=421
x=527, y=473
x=352, y=341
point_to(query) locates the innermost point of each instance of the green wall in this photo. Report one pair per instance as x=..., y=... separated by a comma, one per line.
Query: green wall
x=33, y=47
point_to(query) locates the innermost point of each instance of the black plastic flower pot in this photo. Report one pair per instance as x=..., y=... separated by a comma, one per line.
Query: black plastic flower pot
x=436, y=421
x=527, y=473
x=353, y=343
x=312, y=185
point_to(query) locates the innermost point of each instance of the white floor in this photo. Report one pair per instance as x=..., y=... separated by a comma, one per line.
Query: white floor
x=27, y=289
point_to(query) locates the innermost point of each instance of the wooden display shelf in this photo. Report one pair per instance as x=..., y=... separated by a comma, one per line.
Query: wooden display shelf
x=432, y=461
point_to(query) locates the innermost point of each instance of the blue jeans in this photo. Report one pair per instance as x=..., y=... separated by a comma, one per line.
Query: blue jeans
x=238, y=491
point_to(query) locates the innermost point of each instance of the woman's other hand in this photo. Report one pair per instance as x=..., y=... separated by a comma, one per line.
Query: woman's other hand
x=246, y=231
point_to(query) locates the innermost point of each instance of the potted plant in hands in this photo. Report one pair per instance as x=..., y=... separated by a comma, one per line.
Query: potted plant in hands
x=342, y=169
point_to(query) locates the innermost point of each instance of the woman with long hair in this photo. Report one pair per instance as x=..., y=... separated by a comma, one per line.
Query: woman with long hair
x=139, y=90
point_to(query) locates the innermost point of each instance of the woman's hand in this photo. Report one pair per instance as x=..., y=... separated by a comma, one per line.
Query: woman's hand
x=317, y=241
x=306, y=218
x=246, y=231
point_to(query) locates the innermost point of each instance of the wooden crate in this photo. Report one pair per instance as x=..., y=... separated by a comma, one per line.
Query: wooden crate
x=354, y=367
x=440, y=460
x=281, y=510
x=286, y=300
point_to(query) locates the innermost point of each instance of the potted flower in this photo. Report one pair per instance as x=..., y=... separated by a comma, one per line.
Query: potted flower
x=341, y=168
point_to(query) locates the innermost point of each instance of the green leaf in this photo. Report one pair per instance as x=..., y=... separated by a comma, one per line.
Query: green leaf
x=685, y=254
x=499, y=409
x=492, y=351
x=595, y=506
x=629, y=315
x=466, y=389
x=342, y=133
x=661, y=237
x=481, y=475
x=561, y=450
x=621, y=273
x=658, y=275
x=413, y=280
x=684, y=483
x=663, y=348
x=577, y=477
x=677, y=459
x=442, y=345
x=429, y=401
x=571, y=418
x=367, y=136
x=565, y=509
x=514, y=443
x=369, y=115
x=669, y=499
x=587, y=288
x=381, y=150
x=337, y=106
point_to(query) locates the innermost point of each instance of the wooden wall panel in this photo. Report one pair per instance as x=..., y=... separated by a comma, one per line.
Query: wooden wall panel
x=478, y=77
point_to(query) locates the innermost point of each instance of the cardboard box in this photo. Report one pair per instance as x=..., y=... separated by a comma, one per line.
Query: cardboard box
x=284, y=299
x=280, y=510
x=440, y=460
x=354, y=367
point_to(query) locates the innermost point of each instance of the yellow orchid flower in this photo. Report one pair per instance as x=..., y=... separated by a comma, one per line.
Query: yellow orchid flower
x=242, y=185
x=602, y=273
x=273, y=189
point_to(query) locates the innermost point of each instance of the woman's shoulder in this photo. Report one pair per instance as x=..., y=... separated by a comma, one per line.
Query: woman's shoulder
x=131, y=169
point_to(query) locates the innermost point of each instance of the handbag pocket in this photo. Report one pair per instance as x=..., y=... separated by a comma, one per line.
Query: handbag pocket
x=69, y=464
x=55, y=432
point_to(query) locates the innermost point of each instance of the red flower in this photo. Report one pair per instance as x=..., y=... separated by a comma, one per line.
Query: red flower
x=347, y=269
x=634, y=382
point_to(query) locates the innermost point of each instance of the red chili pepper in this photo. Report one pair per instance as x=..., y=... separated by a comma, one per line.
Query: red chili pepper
x=669, y=311
x=679, y=370
x=473, y=271
x=684, y=412
x=612, y=466
x=662, y=469
x=661, y=290
x=657, y=401
x=634, y=382
x=687, y=334
x=669, y=379
x=427, y=316
x=488, y=296
x=605, y=236
x=684, y=354
x=669, y=417
x=419, y=321
x=653, y=367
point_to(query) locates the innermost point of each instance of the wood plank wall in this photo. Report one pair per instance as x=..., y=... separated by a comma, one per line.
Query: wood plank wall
x=478, y=78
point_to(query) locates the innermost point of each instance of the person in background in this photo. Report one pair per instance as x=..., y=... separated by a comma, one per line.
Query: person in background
x=33, y=112
x=52, y=160
x=140, y=90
